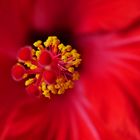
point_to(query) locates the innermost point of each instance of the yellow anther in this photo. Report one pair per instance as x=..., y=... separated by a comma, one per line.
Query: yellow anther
x=74, y=51
x=37, y=43
x=71, y=69
x=69, y=48
x=37, y=76
x=66, y=86
x=57, y=86
x=43, y=86
x=46, y=44
x=46, y=93
x=29, y=81
x=32, y=67
x=61, y=46
x=38, y=53
x=76, y=76
x=76, y=55
x=77, y=62
x=64, y=58
x=64, y=50
x=70, y=84
x=24, y=76
x=28, y=63
x=54, y=91
x=67, y=54
x=52, y=40
x=55, y=41
x=61, y=90
x=60, y=80
x=52, y=88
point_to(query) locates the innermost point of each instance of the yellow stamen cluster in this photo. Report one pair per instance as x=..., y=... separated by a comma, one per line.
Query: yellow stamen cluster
x=68, y=61
x=52, y=41
x=29, y=81
x=30, y=65
x=58, y=88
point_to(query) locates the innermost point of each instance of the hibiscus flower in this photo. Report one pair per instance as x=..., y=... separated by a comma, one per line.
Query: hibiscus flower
x=104, y=104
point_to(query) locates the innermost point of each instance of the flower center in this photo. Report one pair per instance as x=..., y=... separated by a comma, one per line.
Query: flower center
x=48, y=68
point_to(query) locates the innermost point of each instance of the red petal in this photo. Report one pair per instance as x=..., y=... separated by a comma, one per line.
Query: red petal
x=84, y=17
x=111, y=65
x=15, y=30
x=104, y=15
